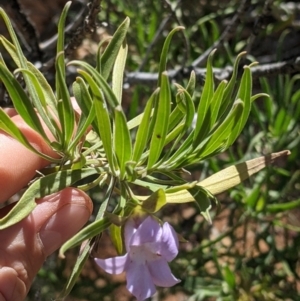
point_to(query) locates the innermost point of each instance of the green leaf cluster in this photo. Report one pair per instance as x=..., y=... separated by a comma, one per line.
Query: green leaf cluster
x=175, y=130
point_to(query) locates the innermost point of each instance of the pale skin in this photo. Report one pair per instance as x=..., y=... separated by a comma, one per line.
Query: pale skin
x=25, y=246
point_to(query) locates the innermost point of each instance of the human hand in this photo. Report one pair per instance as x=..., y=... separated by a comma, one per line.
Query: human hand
x=25, y=246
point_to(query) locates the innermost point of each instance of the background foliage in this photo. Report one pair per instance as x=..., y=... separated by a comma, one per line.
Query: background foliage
x=251, y=251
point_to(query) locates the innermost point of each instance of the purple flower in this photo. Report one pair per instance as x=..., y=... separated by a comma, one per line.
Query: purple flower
x=149, y=249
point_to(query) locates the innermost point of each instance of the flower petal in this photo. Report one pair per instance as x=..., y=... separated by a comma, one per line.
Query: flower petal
x=114, y=265
x=161, y=273
x=139, y=281
x=129, y=230
x=148, y=231
x=169, y=242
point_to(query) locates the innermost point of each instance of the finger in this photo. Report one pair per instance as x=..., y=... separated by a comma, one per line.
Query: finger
x=25, y=245
x=10, y=111
x=18, y=165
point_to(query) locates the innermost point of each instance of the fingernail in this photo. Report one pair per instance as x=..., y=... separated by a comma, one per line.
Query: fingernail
x=63, y=225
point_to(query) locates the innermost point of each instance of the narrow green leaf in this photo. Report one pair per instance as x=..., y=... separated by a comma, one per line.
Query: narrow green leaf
x=189, y=112
x=177, y=132
x=122, y=140
x=103, y=121
x=46, y=88
x=6, y=19
x=142, y=134
x=11, y=49
x=213, y=111
x=84, y=100
x=218, y=138
x=118, y=72
x=205, y=100
x=116, y=237
x=100, y=81
x=84, y=254
x=81, y=259
x=110, y=54
x=209, y=121
x=177, y=114
x=254, y=97
x=41, y=105
x=164, y=54
x=190, y=88
x=275, y=208
x=244, y=93
x=161, y=123
x=21, y=101
x=227, y=98
x=83, y=124
x=88, y=232
x=82, y=96
x=64, y=106
x=136, y=121
x=44, y=85
x=229, y=277
x=180, y=153
x=60, y=46
x=22, y=64
x=42, y=187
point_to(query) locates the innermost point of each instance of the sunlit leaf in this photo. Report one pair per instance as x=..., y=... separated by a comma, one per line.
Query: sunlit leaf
x=234, y=175
x=226, y=178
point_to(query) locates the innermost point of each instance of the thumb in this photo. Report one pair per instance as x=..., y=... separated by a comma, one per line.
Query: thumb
x=25, y=245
